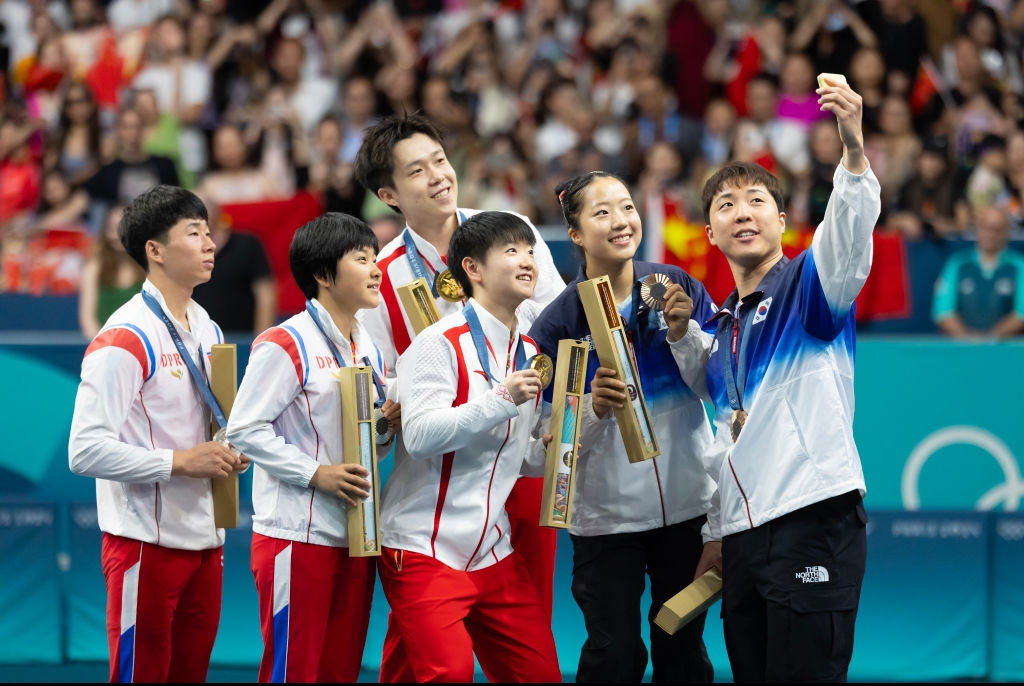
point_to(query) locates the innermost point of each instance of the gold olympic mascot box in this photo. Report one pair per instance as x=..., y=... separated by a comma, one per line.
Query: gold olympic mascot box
x=697, y=597
x=360, y=447
x=224, y=384
x=418, y=303
x=566, y=403
x=614, y=352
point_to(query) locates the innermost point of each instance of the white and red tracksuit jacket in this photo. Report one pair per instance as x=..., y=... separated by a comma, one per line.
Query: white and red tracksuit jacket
x=136, y=405
x=387, y=324
x=464, y=444
x=287, y=419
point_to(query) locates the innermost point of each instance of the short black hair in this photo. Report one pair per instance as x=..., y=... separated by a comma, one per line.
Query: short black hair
x=375, y=161
x=318, y=245
x=739, y=174
x=478, y=234
x=152, y=214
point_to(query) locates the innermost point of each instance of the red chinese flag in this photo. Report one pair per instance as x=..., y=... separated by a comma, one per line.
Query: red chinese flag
x=926, y=85
x=886, y=293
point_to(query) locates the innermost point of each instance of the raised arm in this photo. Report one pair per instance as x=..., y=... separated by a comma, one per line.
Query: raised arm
x=842, y=244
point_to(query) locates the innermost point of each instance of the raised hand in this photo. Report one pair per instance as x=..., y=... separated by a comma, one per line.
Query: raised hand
x=848, y=106
x=678, y=310
x=523, y=385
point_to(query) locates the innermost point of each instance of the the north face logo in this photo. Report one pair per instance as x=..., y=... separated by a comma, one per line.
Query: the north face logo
x=813, y=575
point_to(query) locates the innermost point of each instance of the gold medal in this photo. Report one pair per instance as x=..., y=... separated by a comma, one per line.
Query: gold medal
x=739, y=418
x=448, y=287
x=653, y=291
x=542, y=363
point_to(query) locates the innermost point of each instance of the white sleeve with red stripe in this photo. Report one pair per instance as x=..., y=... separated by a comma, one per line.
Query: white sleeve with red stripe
x=116, y=364
x=428, y=381
x=274, y=378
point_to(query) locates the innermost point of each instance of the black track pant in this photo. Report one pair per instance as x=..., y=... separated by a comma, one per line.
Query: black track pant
x=608, y=580
x=791, y=590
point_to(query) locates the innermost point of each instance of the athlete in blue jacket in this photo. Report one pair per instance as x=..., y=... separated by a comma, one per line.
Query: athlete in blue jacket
x=788, y=527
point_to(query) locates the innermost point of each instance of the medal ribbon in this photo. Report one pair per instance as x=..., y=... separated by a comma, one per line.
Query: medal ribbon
x=736, y=379
x=632, y=326
x=315, y=315
x=412, y=253
x=634, y=307
x=197, y=377
x=476, y=331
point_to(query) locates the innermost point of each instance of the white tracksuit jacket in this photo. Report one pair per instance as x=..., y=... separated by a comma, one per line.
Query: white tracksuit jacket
x=797, y=338
x=387, y=324
x=136, y=405
x=287, y=419
x=464, y=444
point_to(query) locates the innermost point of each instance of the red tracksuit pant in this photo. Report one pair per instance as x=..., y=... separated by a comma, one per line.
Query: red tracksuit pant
x=163, y=608
x=440, y=617
x=536, y=543
x=314, y=610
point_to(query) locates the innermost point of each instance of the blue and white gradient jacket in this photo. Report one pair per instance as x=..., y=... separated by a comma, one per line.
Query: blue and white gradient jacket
x=795, y=347
x=612, y=494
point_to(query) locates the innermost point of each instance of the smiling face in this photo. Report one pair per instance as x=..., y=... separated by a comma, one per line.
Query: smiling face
x=746, y=224
x=609, y=230
x=186, y=256
x=506, y=277
x=356, y=283
x=425, y=187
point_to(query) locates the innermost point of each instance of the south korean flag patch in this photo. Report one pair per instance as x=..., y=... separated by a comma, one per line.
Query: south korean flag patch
x=762, y=311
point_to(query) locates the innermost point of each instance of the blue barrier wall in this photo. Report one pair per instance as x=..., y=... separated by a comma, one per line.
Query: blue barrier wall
x=936, y=421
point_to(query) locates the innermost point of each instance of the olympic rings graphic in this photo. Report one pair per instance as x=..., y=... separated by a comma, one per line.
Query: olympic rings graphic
x=1008, y=493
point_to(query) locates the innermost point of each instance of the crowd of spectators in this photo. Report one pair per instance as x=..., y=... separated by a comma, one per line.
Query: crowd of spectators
x=254, y=101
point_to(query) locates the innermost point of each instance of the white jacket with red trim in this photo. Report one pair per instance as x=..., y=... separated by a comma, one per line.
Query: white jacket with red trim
x=136, y=405
x=464, y=444
x=388, y=325
x=287, y=419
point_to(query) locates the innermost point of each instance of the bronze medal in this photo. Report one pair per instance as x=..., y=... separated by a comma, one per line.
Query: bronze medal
x=739, y=418
x=542, y=363
x=448, y=287
x=653, y=291
x=382, y=428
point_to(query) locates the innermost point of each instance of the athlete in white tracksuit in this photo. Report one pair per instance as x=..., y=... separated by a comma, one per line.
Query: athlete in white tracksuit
x=287, y=417
x=403, y=162
x=472, y=414
x=141, y=428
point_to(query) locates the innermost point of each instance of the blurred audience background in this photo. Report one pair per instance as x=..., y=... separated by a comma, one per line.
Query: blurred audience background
x=260, y=103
